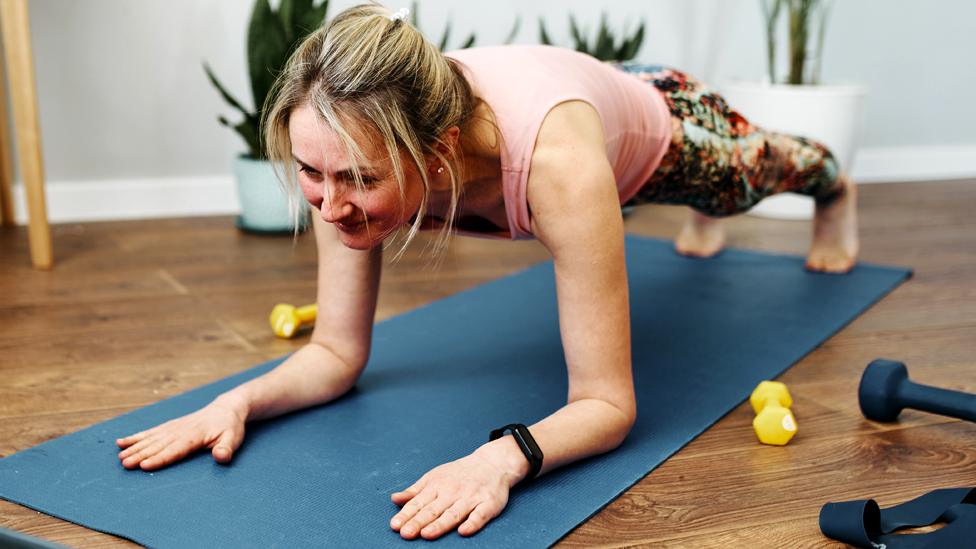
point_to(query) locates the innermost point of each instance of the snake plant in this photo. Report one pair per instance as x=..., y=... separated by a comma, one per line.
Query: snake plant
x=272, y=36
x=806, y=19
x=604, y=46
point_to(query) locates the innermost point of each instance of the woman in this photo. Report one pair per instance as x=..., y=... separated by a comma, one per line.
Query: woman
x=384, y=135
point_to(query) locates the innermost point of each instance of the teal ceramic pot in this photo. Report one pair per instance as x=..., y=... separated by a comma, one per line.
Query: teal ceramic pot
x=264, y=204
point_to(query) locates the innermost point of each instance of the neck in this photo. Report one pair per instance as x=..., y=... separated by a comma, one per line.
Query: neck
x=481, y=146
x=481, y=155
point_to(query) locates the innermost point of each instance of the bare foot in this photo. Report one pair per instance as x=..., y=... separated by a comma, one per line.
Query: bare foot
x=702, y=236
x=835, y=245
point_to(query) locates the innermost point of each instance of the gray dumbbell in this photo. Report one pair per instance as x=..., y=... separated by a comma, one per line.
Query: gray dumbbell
x=885, y=390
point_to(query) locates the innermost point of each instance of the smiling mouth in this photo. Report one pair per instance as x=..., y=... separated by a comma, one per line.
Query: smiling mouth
x=349, y=227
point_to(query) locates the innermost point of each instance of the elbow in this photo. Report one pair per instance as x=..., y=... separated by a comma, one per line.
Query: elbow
x=626, y=417
x=627, y=428
x=352, y=363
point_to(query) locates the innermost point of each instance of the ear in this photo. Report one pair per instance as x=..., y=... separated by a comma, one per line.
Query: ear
x=449, y=141
x=447, y=147
x=452, y=135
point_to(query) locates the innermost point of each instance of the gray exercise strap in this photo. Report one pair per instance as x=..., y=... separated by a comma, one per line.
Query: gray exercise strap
x=862, y=523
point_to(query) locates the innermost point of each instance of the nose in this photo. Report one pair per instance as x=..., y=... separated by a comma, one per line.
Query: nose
x=334, y=205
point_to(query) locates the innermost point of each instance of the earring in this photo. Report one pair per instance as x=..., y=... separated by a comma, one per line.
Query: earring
x=440, y=169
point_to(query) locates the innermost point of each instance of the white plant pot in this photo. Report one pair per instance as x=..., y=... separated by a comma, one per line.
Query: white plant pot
x=832, y=115
x=264, y=204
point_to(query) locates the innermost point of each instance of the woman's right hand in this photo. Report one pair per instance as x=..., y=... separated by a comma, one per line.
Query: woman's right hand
x=217, y=426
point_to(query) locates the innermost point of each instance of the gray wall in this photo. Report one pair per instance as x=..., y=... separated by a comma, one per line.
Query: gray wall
x=123, y=94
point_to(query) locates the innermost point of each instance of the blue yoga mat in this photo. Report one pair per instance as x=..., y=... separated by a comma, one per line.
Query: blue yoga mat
x=440, y=378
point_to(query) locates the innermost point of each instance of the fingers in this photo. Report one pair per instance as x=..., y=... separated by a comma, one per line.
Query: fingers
x=150, y=448
x=214, y=427
x=449, y=520
x=159, y=450
x=419, y=512
x=125, y=442
x=479, y=516
x=138, y=447
x=435, y=518
x=400, y=498
x=166, y=455
x=417, y=502
x=226, y=445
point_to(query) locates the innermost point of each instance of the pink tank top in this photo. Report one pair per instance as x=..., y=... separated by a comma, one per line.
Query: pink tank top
x=522, y=83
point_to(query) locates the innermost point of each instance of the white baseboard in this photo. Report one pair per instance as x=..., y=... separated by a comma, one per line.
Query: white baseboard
x=115, y=199
x=917, y=163
x=70, y=201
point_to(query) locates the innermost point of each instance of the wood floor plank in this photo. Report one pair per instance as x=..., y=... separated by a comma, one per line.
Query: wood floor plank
x=55, y=423
x=31, y=390
x=198, y=338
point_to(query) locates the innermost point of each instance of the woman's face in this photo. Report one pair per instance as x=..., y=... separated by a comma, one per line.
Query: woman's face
x=326, y=178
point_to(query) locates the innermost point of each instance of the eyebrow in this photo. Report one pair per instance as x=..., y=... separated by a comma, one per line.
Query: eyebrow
x=344, y=173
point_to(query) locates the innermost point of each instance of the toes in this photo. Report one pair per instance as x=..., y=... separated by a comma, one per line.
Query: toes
x=834, y=264
x=694, y=243
x=696, y=251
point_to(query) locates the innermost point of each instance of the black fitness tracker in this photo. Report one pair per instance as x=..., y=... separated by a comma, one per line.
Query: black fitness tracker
x=526, y=443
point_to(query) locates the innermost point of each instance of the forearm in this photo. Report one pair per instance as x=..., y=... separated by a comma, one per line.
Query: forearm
x=580, y=429
x=312, y=375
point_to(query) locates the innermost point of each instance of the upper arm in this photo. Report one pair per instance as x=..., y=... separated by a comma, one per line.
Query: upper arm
x=348, y=285
x=572, y=194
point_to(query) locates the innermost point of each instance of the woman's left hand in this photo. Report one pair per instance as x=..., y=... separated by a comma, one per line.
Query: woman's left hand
x=468, y=492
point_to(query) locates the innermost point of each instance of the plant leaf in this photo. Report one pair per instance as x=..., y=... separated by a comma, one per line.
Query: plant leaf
x=248, y=130
x=578, y=37
x=515, y=28
x=223, y=92
x=543, y=35
x=631, y=46
x=445, y=37
x=308, y=19
x=821, y=30
x=603, y=47
x=469, y=42
x=267, y=50
x=286, y=12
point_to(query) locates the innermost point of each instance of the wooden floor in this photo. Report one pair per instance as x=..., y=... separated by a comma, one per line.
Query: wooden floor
x=135, y=312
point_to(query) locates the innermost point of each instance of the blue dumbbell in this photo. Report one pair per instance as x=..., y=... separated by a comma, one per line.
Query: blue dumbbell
x=885, y=390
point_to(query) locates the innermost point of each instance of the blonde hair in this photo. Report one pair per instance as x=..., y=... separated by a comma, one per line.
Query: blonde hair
x=381, y=75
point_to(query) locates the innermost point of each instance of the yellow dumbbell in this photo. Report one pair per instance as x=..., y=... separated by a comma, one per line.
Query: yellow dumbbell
x=774, y=423
x=285, y=319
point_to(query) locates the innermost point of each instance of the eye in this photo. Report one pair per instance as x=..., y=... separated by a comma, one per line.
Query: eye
x=368, y=180
x=305, y=169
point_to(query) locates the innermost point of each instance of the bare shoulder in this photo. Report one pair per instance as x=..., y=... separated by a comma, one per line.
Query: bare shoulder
x=570, y=149
x=570, y=175
x=570, y=126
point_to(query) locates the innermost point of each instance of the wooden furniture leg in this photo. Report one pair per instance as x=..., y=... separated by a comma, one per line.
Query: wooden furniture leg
x=6, y=162
x=14, y=25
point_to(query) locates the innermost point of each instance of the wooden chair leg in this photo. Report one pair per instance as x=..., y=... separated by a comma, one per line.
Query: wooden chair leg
x=20, y=74
x=6, y=163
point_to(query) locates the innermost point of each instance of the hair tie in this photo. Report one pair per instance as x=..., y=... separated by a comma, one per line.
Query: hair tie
x=401, y=15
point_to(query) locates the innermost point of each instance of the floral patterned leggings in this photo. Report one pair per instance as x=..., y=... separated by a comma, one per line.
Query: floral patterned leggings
x=720, y=164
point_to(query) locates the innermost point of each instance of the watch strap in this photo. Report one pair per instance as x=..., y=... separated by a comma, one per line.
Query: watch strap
x=526, y=443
